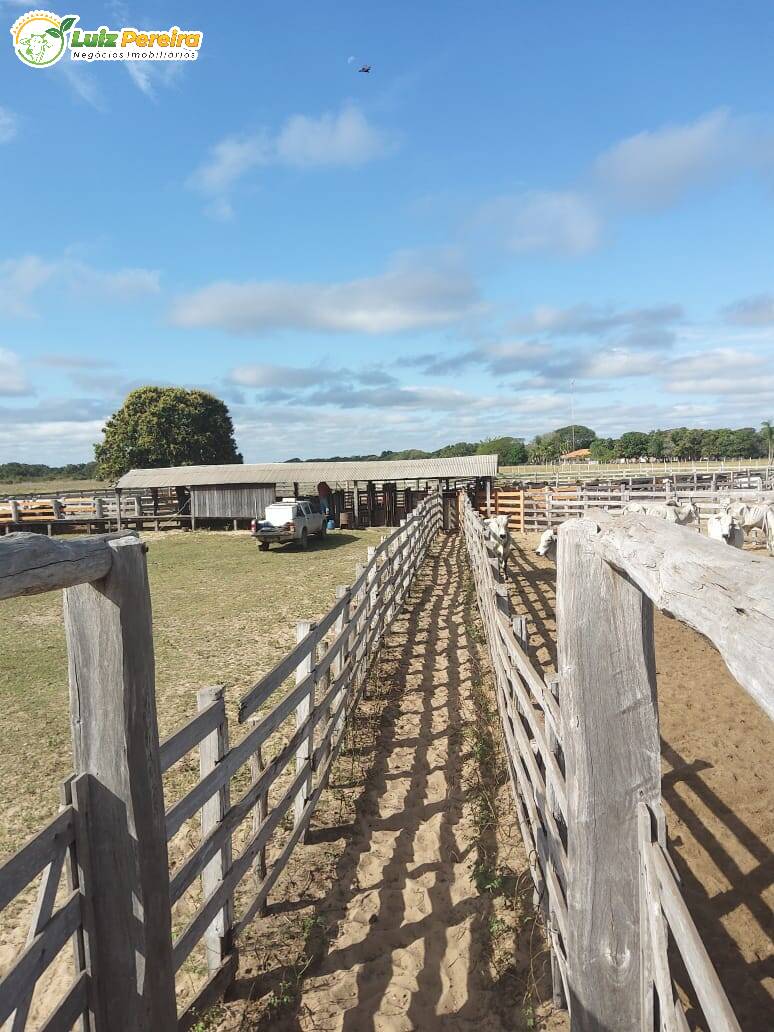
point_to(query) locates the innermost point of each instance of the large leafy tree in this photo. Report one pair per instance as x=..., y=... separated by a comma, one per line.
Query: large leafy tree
x=632, y=445
x=574, y=436
x=511, y=451
x=166, y=426
x=544, y=448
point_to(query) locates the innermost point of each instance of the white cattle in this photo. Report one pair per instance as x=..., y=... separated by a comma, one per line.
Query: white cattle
x=499, y=536
x=683, y=513
x=547, y=545
x=758, y=516
x=725, y=528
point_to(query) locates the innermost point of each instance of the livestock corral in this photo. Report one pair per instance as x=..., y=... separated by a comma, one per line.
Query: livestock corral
x=327, y=841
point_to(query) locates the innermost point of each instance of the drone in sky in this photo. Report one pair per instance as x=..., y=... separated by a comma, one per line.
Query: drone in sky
x=365, y=68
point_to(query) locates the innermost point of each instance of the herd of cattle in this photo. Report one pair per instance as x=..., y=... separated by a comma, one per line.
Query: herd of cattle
x=730, y=525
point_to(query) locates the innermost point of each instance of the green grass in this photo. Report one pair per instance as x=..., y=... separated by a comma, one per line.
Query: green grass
x=223, y=613
x=62, y=487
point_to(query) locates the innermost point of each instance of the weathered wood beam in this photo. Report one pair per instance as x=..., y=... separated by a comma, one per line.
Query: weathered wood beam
x=115, y=745
x=723, y=593
x=611, y=746
x=31, y=563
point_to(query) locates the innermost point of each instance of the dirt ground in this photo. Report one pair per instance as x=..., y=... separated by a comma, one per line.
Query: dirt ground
x=717, y=748
x=410, y=908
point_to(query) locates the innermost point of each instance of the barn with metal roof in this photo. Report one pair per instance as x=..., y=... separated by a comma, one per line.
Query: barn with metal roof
x=365, y=493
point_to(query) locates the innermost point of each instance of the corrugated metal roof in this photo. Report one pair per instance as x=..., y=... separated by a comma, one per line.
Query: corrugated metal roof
x=462, y=467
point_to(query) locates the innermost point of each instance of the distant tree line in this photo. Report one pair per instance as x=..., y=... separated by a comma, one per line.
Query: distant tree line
x=681, y=443
x=13, y=472
x=511, y=451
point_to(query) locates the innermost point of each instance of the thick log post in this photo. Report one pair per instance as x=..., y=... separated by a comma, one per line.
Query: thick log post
x=611, y=747
x=115, y=743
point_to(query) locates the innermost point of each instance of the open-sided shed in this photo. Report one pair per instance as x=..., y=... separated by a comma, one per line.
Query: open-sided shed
x=368, y=492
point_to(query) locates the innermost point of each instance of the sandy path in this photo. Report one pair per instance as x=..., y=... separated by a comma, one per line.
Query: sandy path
x=408, y=952
x=716, y=748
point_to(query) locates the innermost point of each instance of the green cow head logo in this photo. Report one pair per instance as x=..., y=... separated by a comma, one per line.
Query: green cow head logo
x=39, y=37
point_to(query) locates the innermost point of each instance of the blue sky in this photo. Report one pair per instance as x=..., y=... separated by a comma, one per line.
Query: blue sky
x=517, y=196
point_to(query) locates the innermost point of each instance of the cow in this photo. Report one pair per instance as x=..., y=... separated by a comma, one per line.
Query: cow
x=725, y=528
x=497, y=528
x=758, y=516
x=547, y=545
x=37, y=44
x=683, y=514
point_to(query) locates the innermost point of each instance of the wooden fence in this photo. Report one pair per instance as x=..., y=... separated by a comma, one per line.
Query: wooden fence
x=584, y=753
x=743, y=472
x=537, y=508
x=111, y=835
x=98, y=509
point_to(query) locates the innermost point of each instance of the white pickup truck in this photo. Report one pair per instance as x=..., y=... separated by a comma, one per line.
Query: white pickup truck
x=290, y=519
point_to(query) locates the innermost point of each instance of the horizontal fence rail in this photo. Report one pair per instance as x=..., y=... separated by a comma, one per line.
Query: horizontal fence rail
x=108, y=889
x=536, y=509
x=44, y=858
x=664, y=916
x=583, y=753
x=329, y=664
x=530, y=720
x=741, y=472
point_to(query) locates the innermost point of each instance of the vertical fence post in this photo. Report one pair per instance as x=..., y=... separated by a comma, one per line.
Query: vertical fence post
x=212, y=749
x=341, y=625
x=359, y=623
x=611, y=748
x=323, y=684
x=303, y=709
x=260, y=813
x=115, y=744
x=374, y=580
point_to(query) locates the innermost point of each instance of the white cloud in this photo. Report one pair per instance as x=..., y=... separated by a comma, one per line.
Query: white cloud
x=744, y=384
x=123, y=284
x=22, y=278
x=263, y=374
x=80, y=78
x=8, y=125
x=553, y=222
x=654, y=168
x=147, y=75
x=751, y=311
x=717, y=360
x=49, y=441
x=334, y=139
x=12, y=378
x=720, y=371
x=412, y=294
x=230, y=160
x=345, y=138
x=593, y=320
x=140, y=76
x=613, y=363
